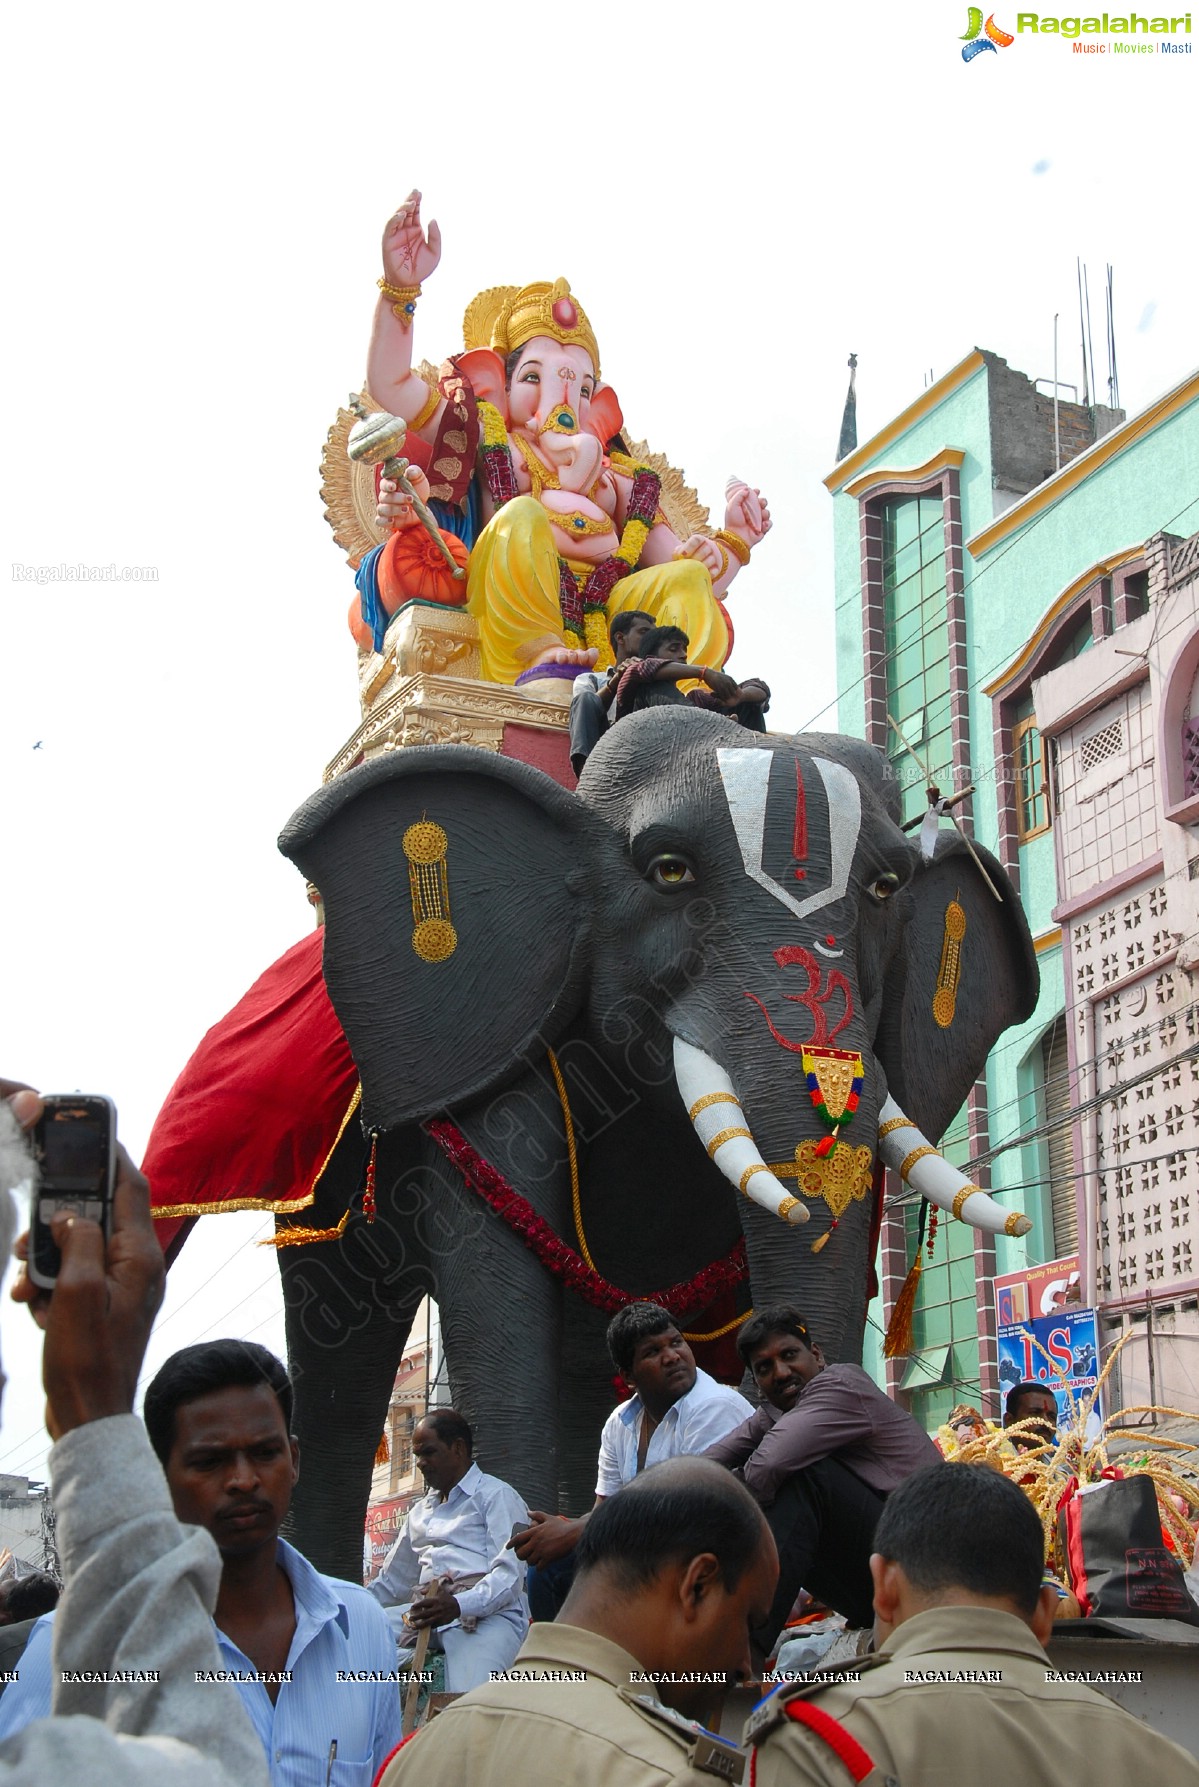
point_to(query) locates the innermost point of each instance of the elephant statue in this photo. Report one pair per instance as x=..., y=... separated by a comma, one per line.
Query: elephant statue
x=611, y=1039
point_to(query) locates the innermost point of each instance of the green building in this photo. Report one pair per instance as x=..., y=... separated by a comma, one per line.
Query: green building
x=985, y=537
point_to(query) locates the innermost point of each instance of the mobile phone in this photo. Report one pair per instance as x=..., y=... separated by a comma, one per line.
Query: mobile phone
x=75, y=1145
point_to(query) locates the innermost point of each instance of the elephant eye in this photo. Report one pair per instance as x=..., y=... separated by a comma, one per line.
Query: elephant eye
x=884, y=886
x=669, y=871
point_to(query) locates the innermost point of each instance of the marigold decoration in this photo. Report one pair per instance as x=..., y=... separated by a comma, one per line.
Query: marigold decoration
x=566, y=1265
x=496, y=455
x=383, y=1451
x=583, y=590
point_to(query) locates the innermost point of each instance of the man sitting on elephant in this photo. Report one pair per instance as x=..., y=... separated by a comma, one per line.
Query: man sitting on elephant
x=676, y=1409
x=593, y=695
x=821, y=1455
x=653, y=681
x=451, y=1569
x=567, y=530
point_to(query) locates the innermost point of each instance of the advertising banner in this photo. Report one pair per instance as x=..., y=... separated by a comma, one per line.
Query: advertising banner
x=384, y=1524
x=1038, y=1314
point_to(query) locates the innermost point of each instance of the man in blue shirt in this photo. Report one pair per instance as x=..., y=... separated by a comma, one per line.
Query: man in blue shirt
x=219, y=1416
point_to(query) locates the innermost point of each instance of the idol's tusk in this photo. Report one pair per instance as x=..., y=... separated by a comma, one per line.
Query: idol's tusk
x=715, y=1111
x=918, y=1163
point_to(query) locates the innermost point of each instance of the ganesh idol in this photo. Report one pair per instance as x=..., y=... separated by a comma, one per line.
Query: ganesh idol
x=519, y=447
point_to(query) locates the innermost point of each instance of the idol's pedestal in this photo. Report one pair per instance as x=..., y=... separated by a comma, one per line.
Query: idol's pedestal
x=424, y=688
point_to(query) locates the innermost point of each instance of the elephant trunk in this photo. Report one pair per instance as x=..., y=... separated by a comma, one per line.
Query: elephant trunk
x=716, y=1114
x=918, y=1163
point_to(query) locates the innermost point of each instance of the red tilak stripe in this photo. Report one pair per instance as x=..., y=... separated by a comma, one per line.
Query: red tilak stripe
x=834, y=1734
x=799, y=844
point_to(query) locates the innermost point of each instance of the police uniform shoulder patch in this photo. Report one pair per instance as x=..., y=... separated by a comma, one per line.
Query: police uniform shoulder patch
x=707, y=1753
x=791, y=1704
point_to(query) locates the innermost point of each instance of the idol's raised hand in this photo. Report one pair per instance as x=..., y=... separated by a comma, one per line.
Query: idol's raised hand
x=410, y=252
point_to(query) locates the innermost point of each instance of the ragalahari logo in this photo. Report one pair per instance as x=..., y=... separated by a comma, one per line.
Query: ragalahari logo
x=974, y=42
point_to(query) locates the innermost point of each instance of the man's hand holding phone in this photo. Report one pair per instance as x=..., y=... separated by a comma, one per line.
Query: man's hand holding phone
x=99, y=1316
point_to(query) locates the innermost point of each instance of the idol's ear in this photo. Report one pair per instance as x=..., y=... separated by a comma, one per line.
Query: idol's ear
x=458, y=888
x=965, y=971
x=604, y=418
x=485, y=371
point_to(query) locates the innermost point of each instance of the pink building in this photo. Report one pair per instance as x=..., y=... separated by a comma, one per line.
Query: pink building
x=1120, y=723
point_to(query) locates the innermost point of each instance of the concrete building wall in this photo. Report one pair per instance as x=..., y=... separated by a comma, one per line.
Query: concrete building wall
x=1030, y=555
x=1128, y=856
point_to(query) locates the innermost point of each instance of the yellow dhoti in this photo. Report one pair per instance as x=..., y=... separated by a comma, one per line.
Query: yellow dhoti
x=513, y=592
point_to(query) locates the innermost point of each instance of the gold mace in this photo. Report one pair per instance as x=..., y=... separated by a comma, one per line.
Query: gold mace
x=376, y=439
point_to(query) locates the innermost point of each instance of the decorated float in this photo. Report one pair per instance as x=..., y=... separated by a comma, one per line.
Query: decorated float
x=552, y=1048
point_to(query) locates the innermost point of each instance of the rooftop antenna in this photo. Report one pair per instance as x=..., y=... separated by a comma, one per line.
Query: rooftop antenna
x=1082, y=331
x=1086, y=286
x=1113, y=380
x=1057, y=433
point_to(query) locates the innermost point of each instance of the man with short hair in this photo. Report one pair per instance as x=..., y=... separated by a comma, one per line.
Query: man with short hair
x=671, y=1573
x=591, y=700
x=218, y=1415
x=1030, y=1401
x=961, y=1619
x=454, y=1548
x=821, y=1455
x=676, y=1408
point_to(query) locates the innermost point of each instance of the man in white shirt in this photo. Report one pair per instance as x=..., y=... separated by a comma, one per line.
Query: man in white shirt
x=454, y=1551
x=676, y=1409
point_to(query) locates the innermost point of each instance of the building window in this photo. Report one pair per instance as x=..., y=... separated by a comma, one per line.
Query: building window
x=1028, y=768
x=917, y=643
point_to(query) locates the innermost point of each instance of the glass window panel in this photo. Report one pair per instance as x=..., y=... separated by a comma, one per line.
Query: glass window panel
x=932, y=514
x=905, y=564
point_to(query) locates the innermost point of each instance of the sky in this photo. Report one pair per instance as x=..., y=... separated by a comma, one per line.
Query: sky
x=740, y=197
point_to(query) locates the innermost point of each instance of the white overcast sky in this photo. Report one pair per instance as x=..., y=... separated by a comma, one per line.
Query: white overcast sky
x=739, y=195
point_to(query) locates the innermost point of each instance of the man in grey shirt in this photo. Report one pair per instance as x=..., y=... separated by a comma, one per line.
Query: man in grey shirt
x=133, y=1636
x=821, y=1455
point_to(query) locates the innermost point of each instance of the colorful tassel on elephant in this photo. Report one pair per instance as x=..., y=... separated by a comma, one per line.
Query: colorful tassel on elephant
x=900, y=1339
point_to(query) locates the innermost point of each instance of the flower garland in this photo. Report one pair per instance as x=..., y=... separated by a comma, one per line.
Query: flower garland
x=583, y=601
x=554, y=1254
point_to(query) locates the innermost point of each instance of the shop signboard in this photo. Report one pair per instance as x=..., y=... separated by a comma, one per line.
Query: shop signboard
x=384, y=1524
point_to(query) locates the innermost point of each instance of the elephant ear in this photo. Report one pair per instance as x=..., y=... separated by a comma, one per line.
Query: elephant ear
x=964, y=972
x=457, y=887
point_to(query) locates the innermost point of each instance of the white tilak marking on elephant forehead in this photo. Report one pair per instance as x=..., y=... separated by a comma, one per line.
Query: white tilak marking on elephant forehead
x=746, y=778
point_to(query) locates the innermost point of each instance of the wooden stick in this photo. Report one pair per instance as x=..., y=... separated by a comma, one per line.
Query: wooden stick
x=414, y=1686
x=894, y=724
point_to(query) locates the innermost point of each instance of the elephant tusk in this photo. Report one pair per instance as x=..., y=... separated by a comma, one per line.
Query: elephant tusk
x=919, y=1165
x=715, y=1111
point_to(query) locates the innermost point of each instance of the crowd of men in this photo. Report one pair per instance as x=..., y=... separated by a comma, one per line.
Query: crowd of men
x=193, y=1645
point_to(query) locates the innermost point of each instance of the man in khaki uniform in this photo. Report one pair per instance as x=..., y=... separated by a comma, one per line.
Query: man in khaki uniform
x=670, y=1575
x=957, y=1695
